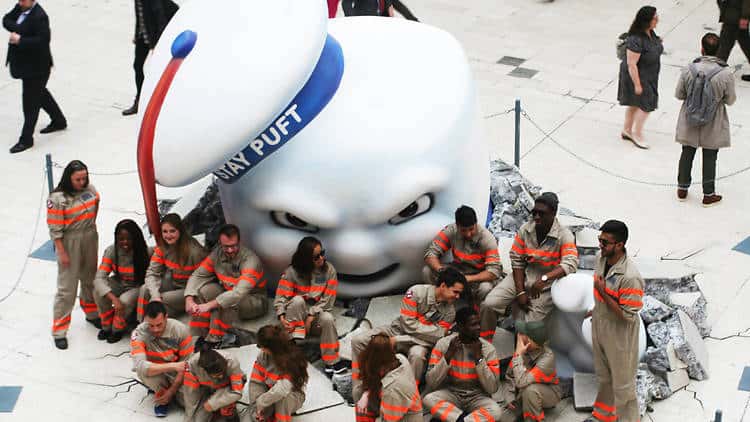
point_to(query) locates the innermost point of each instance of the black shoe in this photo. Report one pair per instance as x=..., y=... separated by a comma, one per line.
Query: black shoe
x=95, y=322
x=61, y=343
x=337, y=368
x=103, y=334
x=19, y=147
x=746, y=78
x=132, y=110
x=54, y=127
x=114, y=337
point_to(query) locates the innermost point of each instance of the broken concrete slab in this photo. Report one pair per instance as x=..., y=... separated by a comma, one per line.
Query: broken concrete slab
x=657, y=359
x=694, y=304
x=677, y=379
x=648, y=387
x=585, y=388
x=674, y=361
x=658, y=332
x=654, y=310
x=383, y=310
x=692, y=349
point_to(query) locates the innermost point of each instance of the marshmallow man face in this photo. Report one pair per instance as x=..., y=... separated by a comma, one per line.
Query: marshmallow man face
x=381, y=169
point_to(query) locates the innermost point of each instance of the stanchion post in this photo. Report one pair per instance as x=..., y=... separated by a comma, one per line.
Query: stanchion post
x=49, y=172
x=517, y=155
x=717, y=418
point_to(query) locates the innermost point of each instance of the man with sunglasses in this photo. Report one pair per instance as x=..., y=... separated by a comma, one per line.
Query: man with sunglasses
x=615, y=325
x=227, y=286
x=474, y=251
x=542, y=252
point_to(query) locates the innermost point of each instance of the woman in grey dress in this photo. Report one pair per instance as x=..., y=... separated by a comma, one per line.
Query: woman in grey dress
x=639, y=74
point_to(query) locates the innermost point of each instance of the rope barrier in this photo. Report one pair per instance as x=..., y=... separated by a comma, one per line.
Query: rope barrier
x=114, y=173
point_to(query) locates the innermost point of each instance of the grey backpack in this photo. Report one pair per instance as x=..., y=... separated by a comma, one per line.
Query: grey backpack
x=701, y=101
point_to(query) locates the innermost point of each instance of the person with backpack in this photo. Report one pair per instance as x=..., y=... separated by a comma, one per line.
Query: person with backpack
x=706, y=87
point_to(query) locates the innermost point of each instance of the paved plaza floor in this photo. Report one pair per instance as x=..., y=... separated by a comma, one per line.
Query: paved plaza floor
x=558, y=58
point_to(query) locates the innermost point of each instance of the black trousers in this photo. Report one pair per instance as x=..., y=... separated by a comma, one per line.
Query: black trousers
x=141, y=52
x=36, y=96
x=729, y=34
x=709, y=168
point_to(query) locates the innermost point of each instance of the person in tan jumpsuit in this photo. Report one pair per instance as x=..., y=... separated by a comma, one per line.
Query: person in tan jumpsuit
x=474, y=251
x=278, y=379
x=71, y=216
x=389, y=391
x=463, y=374
x=427, y=313
x=118, y=279
x=615, y=325
x=543, y=251
x=212, y=386
x=171, y=265
x=160, y=347
x=227, y=286
x=531, y=381
x=304, y=300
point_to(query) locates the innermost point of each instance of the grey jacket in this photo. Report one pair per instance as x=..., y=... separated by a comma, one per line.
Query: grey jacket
x=715, y=134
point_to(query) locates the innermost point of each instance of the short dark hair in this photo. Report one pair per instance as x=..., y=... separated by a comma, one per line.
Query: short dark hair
x=155, y=308
x=450, y=276
x=549, y=199
x=616, y=228
x=229, y=230
x=212, y=361
x=710, y=44
x=463, y=315
x=465, y=216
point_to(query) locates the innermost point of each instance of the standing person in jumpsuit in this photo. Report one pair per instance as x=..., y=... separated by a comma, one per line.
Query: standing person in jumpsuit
x=615, y=325
x=171, y=265
x=304, y=301
x=389, y=391
x=71, y=216
x=119, y=278
x=278, y=379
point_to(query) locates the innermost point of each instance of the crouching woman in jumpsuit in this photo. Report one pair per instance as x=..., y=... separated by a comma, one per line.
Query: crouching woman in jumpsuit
x=71, y=216
x=120, y=274
x=279, y=377
x=389, y=390
x=212, y=385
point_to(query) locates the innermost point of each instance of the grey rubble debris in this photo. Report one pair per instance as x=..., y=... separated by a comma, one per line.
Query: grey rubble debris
x=649, y=387
x=654, y=310
x=694, y=305
x=657, y=359
x=664, y=288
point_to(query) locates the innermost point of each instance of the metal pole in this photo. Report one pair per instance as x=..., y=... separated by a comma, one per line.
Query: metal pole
x=717, y=418
x=49, y=172
x=517, y=156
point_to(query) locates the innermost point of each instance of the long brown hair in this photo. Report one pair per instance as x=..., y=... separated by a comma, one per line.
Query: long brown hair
x=182, y=247
x=285, y=354
x=375, y=361
x=302, y=260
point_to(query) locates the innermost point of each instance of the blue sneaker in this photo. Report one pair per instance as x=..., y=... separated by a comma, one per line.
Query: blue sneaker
x=161, y=410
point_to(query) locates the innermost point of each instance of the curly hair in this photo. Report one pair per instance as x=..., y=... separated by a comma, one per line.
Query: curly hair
x=285, y=354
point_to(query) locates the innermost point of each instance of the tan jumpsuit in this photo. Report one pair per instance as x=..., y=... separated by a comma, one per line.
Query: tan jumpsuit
x=531, y=385
x=463, y=385
x=272, y=391
x=166, y=278
x=174, y=345
x=198, y=388
x=399, y=397
x=73, y=219
x=557, y=249
x=423, y=321
x=296, y=298
x=238, y=286
x=471, y=256
x=116, y=275
x=615, y=342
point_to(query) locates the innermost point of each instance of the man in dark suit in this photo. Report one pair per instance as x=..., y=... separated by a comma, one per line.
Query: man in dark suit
x=734, y=16
x=30, y=60
x=151, y=17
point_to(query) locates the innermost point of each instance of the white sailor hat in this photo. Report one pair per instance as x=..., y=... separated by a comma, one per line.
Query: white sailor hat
x=224, y=78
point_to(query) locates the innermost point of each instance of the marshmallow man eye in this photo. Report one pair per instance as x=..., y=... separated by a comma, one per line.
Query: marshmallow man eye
x=416, y=208
x=291, y=221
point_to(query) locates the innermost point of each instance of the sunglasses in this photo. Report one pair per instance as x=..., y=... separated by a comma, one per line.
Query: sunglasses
x=605, y=242
x=320, y=255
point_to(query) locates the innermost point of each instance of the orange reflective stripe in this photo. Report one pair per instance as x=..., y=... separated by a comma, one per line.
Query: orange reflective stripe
x=75, y=209
x=393, y=407
x=437, y=407
x=282, y=417
x=466, y=256
x=462, y=376
x=603, y=418
x=543, y=378
x=409, y=302
x=520, y=241
x=329, y=345
x=634, y=292
x=487, y=416
x=222, y=324
x=542, y=253
x=65, y=222
x=208, y=264
x=444, y=414
x=605, y=407
x=489, y=334
x=463, y=364
x=553, y=263
x=530, y=415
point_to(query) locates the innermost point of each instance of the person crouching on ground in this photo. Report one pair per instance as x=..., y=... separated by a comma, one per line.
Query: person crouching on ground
x=212, y=386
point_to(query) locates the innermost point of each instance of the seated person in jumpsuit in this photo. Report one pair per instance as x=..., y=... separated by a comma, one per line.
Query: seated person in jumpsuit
x=172, y=263
x=119, y=278
x=278, y=379
x=228, y=286
x=212, y=386
x=463, y=374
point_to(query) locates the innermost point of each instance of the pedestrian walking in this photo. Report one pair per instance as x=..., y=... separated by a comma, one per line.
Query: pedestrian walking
x=706, y=82
x=639, y=75
x=71, y=216
x=151, y=17
x=30, y=60
x=734, y=16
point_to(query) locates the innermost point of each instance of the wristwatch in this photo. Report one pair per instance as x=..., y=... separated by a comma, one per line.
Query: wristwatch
x=545, y=278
